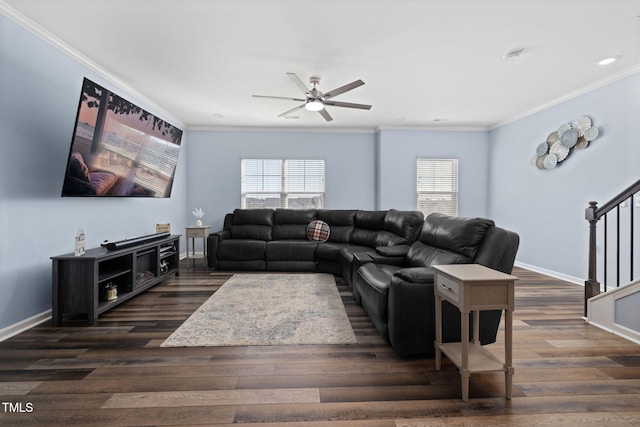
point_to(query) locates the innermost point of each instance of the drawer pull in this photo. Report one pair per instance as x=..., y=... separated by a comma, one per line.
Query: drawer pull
x=442, y=285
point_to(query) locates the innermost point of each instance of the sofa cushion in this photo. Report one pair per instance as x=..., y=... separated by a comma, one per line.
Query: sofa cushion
x=416, y=274
x=403, y=223
x=252, y=224
x=341, y=223
x=456, y=234
x=293, y=250
x=370, y=220
x=241, y=250
x=422, y=255
x=254, y=232
x=253, y=217
x=292, y=223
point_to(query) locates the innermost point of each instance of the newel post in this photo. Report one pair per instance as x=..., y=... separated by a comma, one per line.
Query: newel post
x=591, y=285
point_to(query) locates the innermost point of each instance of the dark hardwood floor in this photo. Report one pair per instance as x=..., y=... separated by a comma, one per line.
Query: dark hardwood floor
x=566, y=372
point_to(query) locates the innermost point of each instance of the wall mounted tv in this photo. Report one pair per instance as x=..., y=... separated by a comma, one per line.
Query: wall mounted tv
x=119, y=149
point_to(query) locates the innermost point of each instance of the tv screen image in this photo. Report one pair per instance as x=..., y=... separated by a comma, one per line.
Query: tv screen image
x=119, y=149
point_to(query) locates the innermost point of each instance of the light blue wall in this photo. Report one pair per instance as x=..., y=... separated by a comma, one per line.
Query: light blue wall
x=547, y=207
x=398, y=150
x=39, y=91
x=214, y=166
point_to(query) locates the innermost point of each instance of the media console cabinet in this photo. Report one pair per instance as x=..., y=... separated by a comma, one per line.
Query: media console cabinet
x=80, y=283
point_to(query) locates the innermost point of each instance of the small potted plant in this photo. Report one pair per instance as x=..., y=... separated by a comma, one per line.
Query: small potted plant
x=198, y=213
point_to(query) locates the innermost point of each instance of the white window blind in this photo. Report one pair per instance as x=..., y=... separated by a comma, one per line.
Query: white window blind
x=437, y=186
x=282, y=183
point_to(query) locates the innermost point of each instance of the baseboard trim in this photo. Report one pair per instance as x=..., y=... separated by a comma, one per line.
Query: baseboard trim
x=24, y=325
x=551, y=273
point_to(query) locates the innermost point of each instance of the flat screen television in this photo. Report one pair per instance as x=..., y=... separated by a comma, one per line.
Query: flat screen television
x=119, y=149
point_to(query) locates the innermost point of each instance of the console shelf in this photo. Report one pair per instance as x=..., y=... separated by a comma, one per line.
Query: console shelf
x=78, y=280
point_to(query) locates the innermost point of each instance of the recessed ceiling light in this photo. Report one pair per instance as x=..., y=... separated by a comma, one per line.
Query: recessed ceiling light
x=607, y=61
x=217, y=116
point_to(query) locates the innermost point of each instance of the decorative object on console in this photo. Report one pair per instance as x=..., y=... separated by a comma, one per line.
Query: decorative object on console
x=198, y=213
x=163, y=228
x=108, y=292
x=560, y=143
x=318, y=230
x=79, y=242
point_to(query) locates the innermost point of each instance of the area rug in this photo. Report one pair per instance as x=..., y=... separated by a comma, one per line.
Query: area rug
x=268, y=309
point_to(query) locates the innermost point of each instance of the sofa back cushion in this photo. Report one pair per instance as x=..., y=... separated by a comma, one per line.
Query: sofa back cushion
x=292, y=223
x=455, y=234
x=399, y=228
x=252, y=224
x=341, y=223
x=367, y=226
x=404, y=223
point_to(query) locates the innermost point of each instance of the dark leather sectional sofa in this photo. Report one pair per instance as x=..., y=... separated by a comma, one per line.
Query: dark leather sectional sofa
x=383, y=255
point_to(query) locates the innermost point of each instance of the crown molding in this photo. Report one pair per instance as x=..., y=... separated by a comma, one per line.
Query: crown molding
x=43, y=34
x=279, y=129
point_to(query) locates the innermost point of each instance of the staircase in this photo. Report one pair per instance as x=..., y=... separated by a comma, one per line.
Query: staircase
x=615, y=310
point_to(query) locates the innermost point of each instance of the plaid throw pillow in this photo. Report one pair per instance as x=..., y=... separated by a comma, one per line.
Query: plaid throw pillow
x=318, y=230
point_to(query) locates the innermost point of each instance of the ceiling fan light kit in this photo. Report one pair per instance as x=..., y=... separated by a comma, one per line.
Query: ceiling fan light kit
x=314, y=105
x=316, y=100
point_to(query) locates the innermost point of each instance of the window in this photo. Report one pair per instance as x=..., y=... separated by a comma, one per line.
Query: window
x=282, y=183
x=437, y=186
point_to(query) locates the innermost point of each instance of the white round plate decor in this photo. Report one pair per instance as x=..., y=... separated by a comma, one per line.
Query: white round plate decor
x=540, y=162
x=550, y=161
x=542, y=149
x=581, y=144
x=559, y=150
x=581, y=124
x=591, y=133
x=563, y=128
x=553, y=138
x=569, y=138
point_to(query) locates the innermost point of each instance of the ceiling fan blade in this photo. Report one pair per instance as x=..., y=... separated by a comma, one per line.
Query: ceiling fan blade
x=324, y=113
x=298, y=82
x=347, y=104
x=343, y=89
x=291, y=111
x=279, y=97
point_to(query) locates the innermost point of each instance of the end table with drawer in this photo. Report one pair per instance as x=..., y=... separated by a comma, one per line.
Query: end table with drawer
x=193, y=233
x=473, y=288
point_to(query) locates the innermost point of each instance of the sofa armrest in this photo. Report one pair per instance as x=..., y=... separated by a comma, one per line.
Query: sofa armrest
x=213, y=240
x=393, y=251
x=389, y=260
x=416, y=274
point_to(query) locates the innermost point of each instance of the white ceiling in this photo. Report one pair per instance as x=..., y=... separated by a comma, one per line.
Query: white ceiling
x=421, y=60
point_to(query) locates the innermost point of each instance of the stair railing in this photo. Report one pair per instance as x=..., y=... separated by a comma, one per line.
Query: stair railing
x=593, y=214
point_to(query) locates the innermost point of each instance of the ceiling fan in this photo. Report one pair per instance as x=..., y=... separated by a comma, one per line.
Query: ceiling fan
x=315, y=100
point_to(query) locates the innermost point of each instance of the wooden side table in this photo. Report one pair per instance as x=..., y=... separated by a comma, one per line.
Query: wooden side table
x=194, y=233
x=472, y=288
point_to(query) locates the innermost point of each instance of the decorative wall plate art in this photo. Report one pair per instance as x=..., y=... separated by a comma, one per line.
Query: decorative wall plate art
x=559, y=144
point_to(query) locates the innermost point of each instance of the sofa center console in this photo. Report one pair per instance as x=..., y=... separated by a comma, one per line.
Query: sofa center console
x=88, y=285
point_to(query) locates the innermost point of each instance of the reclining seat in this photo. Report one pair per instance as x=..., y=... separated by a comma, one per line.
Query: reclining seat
x=290, y=250
x=243, y=242
x=397, y=291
